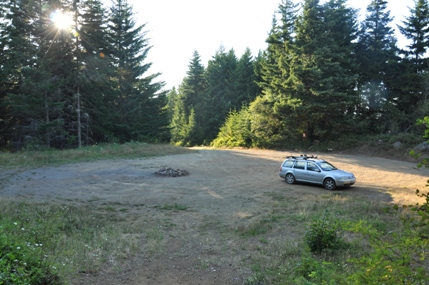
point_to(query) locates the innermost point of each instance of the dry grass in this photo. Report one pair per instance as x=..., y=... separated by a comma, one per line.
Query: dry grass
x=90, y=153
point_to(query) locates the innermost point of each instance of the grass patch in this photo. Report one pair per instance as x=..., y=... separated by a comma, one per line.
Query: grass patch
x=284, y=254
x=89, y=153
x=175, y=207
x=62, y=239
x=154, y=239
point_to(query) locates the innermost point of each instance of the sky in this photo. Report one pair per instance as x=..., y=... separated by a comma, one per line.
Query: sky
x=176, y=28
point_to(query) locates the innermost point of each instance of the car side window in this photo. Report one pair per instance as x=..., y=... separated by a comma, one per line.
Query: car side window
x=288, y=163
x=311, y=166
x=300, y=165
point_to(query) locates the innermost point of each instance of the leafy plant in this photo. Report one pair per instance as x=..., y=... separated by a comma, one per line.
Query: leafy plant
x=175, y=207
x=398, y=257
x=324, y=233
x=24, y=262
x=313, y=271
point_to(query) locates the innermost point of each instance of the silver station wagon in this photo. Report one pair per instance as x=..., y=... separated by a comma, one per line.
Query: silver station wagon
x=310, y=169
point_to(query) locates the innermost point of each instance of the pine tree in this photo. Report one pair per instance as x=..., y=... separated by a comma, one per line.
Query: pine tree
x=275, y=64
x=270, y=113
x=181, y=121
x=97, y=103
x=14, y=52
x=133, y=89
x=6, y=84
x=322, y=80
x=245, y=81
x=414, y=66
x=39, y=53
x=194, y=90
x=220, y=90
x=416, y=29
x=377, y=55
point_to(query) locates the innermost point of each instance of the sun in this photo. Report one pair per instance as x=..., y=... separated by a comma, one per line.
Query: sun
x=63, y=21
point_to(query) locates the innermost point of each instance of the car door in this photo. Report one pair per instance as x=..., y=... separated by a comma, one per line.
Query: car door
x=314, y=174
x=299, y=170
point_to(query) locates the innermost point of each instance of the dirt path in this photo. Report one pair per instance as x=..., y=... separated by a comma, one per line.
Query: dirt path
x=223, y=185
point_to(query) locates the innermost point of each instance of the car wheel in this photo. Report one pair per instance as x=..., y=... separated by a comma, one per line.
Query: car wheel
x=289, y=178
x=329, y=184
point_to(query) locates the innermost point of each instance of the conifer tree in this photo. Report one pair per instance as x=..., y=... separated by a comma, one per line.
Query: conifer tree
x=416, y=29
x=221, y=91
x=322, y=82
x=245, y=81
x=6, y=122
x=36, y=103
x=134, y=90
x=193, y=91
x=275, y=65
x=377, y=55
x=98, y=102
x=270, y=112
x=183, y=125
x=414, y=66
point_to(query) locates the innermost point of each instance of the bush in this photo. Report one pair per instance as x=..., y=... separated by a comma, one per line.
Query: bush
x=23, y=262
x=313, y=271
x=398, y=257
x=323, y=233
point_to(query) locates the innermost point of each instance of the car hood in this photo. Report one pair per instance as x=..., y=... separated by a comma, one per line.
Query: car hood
x=340, y=173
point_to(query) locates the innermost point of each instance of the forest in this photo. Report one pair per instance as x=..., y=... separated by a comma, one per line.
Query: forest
x=324, y=76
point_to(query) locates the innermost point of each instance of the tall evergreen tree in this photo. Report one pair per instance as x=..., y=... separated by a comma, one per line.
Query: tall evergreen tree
x=273, y=69
x=193, y=91
x=6, y=83
x=414, y=65
x=275, y=65
x=321, y=79
x=220, y=90
x=97, y=102
x=182, y=124
x=36, y=104
x=133, y=89
x=245, y=81
x=377, y=55
x=342, y=24
x=416, y=29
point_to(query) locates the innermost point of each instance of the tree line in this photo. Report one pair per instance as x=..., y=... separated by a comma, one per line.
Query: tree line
x=323, y=75
x=68, y=87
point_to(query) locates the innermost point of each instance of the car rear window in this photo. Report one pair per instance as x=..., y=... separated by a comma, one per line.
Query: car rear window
x=288, y=163
x=300, y=165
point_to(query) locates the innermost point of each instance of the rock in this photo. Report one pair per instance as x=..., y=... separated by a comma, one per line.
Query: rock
x=397, y=145
x=172, y=172
x=424, y=146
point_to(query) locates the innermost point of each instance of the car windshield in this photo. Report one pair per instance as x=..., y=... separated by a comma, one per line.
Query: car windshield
x=326, y=166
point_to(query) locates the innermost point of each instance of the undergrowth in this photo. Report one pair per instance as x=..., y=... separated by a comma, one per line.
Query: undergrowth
x=45, y=244
x=35, y=158
x=347, y=242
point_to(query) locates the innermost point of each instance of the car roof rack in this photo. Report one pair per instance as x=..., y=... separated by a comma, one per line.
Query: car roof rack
x=302, y=156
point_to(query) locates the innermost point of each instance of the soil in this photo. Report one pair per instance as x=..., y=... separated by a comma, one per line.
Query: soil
x=222, y=185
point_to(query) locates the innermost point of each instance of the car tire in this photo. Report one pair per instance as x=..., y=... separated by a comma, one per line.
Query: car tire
x=329, y=184
x=289, y=178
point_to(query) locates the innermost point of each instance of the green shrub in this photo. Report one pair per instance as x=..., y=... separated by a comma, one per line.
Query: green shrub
x=235, y=132
x=23, y=262
x=400, y=256
x=313, y=271
x=323, y=233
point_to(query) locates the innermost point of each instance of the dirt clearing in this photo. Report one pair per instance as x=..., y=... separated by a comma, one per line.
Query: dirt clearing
x=224, y=190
